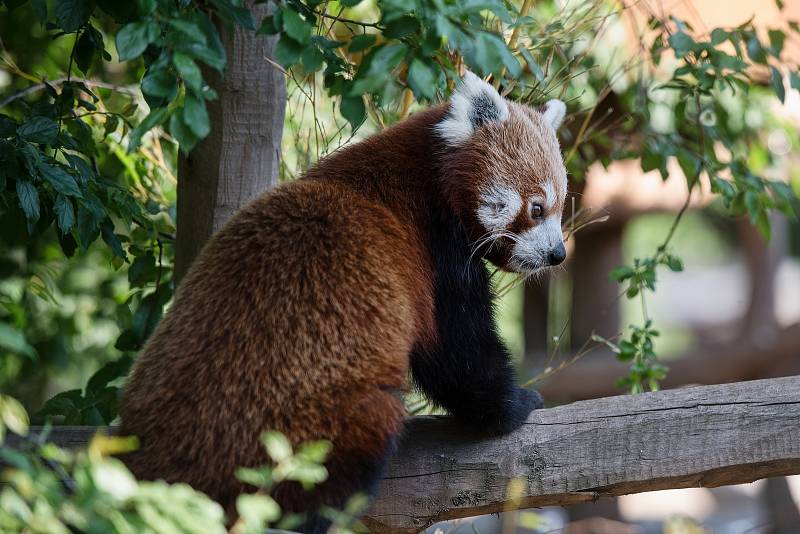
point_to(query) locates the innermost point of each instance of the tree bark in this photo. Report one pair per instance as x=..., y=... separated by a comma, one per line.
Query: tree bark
x=241, y=156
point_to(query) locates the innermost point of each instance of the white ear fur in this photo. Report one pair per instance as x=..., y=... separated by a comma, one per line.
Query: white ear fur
x=553, y=112
x=473, y=104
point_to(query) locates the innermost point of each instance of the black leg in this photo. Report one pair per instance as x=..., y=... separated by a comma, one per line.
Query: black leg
x=469, y=370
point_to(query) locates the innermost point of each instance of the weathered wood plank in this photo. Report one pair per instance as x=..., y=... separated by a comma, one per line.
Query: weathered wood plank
x=703, y=436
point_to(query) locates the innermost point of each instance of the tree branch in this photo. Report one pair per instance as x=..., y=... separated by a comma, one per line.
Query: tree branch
x=703, y=436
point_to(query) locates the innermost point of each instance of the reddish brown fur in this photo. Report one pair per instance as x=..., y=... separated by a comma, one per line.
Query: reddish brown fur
x=300, y=314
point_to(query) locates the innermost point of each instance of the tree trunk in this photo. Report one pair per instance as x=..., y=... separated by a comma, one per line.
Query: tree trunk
x=240, y=158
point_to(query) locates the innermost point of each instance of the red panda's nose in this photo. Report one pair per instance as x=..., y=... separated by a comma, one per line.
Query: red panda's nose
x=557, y=255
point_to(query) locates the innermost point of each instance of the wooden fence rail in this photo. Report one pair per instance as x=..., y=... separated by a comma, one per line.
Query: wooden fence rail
x=701, y=436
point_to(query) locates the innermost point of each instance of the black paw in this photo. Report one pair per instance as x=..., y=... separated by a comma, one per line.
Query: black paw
x=516, y=410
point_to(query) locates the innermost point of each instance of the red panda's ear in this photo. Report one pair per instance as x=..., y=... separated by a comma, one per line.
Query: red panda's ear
x=473, y=104
x=553, y=112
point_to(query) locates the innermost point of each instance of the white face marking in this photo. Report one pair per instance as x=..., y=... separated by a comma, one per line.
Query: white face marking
x=499, y=206
x=533, y=246
x=549, y=194
x=473, y=98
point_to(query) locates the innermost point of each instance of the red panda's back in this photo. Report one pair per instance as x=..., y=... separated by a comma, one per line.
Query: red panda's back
x=297, y=316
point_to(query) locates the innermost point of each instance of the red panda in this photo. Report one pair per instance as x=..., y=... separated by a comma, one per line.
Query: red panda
x=317, y=305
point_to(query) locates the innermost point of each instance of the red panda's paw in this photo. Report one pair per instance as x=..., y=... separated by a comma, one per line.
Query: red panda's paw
x=517, y=409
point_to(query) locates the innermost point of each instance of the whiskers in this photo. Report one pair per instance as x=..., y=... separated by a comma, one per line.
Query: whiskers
x=579, y=220
x=490, y=239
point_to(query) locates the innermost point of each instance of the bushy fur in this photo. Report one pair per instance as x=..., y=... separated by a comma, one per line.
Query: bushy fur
x=308, y=311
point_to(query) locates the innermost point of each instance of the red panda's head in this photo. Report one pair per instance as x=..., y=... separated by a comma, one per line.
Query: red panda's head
x=503, y=174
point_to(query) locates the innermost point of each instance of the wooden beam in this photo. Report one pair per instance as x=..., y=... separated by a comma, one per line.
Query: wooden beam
x=702, y=436
x=695, y=437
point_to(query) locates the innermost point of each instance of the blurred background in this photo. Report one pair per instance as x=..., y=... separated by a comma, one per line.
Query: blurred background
x=732, y=314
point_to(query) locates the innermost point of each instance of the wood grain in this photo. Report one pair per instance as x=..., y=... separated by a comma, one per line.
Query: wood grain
x=702, y=436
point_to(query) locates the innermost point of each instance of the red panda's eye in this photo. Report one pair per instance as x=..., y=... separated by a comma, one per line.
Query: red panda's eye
x=537, y=211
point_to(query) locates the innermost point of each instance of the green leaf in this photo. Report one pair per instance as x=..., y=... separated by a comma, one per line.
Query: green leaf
x=38, y=130
x=13, y=416
x=72, y=14
x=257, y=510
x=241, y=15
x=489, y=53
x=794, y=80
x=108, y=373
x=295, y=26
x=81, y=166
x=134, y=38
x=777, y=84
x=84, y=51
x=190, y=29
x=755, y=50
x=65, y=403
x=142, y=270
x=212, y=53
x=154, y=118
x=40, y=8
x=763, y=226
x=188, y=71
x=89, y=218
x=752, y=203
x=681, y=43
x=61, y=180
x=195, y=116
x=159, y=82
x=723, y=187
x=312, y=58
x=674, y=263
x=315, y=451
x=8, y=126
x=361, y=42
x=147, y=316
x=352, y=109
x=776, y=40
x=422, y=79
x=259, y=477
x=375, y=71
x=401, y=27
x=28, y=200
x=349, y=3
x=14, y=341
x=111, y=239
x=287, y=51
x=718, y=36
x=65, y=213
x=621, y=273
x=182, y=133
x=277, y=445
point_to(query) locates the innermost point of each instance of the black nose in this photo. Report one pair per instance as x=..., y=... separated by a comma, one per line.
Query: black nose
x=557, y=255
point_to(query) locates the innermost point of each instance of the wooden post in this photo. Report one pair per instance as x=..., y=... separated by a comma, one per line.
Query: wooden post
x=240, y=158
x=704, y=436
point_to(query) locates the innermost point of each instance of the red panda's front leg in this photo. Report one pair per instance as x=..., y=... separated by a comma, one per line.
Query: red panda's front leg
x=468, y=371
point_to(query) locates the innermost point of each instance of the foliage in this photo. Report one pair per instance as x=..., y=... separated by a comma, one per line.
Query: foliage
x=86, y=169
x=50, y=489
x=705, y=146
x=416, y=45
x=65, y=173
